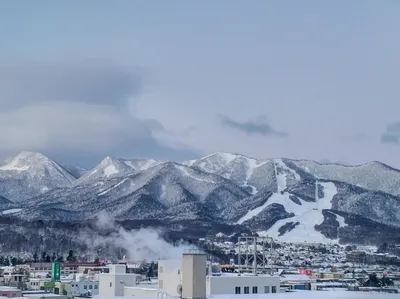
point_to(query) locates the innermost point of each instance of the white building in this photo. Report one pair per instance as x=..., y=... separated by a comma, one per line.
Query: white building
x=244, y=284
x=113, y=283
x=169, y=276
x=177, y=277
x=34, y=284
x=83, y=286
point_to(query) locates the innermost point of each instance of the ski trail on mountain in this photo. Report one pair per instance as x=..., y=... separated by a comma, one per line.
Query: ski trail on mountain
x=309, y=214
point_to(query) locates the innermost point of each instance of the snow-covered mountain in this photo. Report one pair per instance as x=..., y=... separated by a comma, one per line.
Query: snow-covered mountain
x=75, y=170
x=115, y=167
x=260, y=173
x=165, y=191
x=293, y=200
x=30, y=174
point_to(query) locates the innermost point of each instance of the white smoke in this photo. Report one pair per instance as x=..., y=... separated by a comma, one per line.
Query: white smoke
x=143, y=244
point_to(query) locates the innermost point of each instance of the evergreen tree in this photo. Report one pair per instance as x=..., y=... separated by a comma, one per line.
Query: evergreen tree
x=386, y=282
x=14, y=261
x=372, y=281
x=53, y=257
x=35, y=257
x=71, y=257
x=48, y=259
x=44, y=256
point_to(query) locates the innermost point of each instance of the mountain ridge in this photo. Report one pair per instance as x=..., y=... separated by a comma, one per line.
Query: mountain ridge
x=285, y=198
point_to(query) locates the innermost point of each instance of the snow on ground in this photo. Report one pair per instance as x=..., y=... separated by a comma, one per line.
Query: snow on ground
x=252, y=164
x=113, y=187
x=292, y=171
x=341, y=220
x=281, y=185
x=142, y=164
x=163, y=192
x=294, y=295
x=250, y=214
x=281, y=182
x=311, y=295
x=308, y=215
x=110, y=170
x=213, y=162
x=10, y=211
x=192, y=174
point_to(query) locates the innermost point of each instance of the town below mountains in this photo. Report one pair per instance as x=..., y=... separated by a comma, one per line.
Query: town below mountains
x=44, y=204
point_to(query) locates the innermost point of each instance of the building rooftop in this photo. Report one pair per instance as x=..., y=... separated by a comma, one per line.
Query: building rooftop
x=292, y=295
x=43, y=295
x=295, y=277
x=242, y=275
x=6, y=288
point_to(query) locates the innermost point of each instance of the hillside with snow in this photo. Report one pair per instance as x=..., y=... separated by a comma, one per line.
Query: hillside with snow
x=291, y=200
x=115, y=167
x=30, y=174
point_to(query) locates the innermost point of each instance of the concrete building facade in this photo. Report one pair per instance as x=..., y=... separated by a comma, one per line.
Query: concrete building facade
x=10, y=292
x=187, y=277
x=194, y=275
x=244, y=284
x=113, y=283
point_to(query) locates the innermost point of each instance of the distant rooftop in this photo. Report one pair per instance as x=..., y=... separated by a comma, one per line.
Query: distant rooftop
x=291, y=295
x=194, y=251
x=6, y=288
x=43, y=295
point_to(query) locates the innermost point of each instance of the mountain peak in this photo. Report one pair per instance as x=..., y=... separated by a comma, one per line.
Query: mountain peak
x=30, y=155
x=108, y=160
x=24, y=160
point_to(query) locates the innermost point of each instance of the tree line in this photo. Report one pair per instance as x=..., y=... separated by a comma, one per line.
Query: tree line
x=44, y=257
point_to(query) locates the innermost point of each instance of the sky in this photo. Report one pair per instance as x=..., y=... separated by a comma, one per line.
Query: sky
x=174, y=80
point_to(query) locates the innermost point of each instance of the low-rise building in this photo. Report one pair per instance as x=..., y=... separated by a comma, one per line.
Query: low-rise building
x=10, y=292
x=177, y=276
x=296, y=282
x=244, y=284
x=114, y=282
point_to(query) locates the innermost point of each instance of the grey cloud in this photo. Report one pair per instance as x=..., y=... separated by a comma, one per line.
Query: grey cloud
x=90, y=81
x=77, y=113
x=361, y=137
x=392, y=134
x=257, y=127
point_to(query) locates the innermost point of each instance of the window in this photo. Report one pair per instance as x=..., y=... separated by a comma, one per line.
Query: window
x=266, y=289
x=95, y=286
x=85, y=286
x=161, y=269
x=90, y=287
x=255, y=290
x=246, y=290
x=110, y=284
x=179, y=271
x=160, y=284
x=237, y=290
x=273, y=289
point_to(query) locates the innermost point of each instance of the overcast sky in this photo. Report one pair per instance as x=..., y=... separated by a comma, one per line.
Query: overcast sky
x=80, y=80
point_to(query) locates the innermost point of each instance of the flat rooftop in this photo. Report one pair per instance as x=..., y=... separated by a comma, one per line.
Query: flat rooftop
x=43, y=295
x=292, y=295
x=6, y=288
